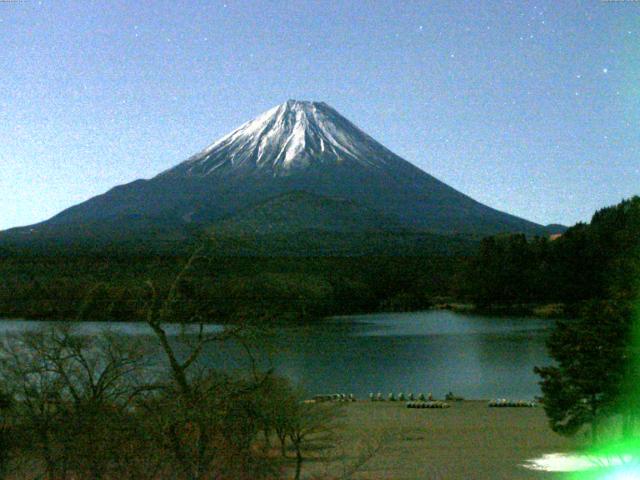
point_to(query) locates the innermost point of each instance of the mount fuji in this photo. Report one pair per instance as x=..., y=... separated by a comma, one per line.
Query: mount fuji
x=298, y=167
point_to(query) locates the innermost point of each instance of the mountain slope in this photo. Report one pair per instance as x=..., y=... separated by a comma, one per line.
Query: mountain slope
x=286, y=140
x=301, y=211
x=294, y=147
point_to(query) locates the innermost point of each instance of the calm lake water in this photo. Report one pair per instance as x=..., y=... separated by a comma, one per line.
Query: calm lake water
x=434, y=351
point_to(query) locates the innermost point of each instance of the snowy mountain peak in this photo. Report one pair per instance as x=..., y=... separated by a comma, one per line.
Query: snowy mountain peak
x=287, y=138
x=300, y=166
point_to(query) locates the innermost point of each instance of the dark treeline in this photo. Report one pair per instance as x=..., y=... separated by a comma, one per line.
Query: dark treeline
x=594, y=380
x=113, y=287
x=589, y=261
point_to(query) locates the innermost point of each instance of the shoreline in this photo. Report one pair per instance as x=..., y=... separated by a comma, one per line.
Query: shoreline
x=550, y=311
x=435, y=399
x=468, y=440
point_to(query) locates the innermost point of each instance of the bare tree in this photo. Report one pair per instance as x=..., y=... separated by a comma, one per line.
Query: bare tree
x=310, y=426
x=71, y=394
x=348, y=458
x=6, y=404
x=276, y=402
x=199, y=406
x=88, y=407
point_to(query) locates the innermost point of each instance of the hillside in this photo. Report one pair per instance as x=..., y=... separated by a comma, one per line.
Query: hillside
x=303, y=158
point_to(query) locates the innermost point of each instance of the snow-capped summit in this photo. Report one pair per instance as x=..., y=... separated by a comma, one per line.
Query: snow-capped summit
x=298, y=167
x=291, y=136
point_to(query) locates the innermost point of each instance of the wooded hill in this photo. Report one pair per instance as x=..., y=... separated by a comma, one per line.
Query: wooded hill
x=588, y=261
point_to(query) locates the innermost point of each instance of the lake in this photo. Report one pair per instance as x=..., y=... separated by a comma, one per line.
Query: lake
x=434, y=351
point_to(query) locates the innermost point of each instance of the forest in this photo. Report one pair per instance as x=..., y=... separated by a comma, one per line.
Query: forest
x=595, y=375
x=589, y=261
x=226, y=288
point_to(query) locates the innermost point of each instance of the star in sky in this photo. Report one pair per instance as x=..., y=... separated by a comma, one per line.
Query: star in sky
x=516, y=60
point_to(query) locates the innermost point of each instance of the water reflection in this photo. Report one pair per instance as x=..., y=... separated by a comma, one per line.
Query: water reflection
x=88, y=328
x=434, y=351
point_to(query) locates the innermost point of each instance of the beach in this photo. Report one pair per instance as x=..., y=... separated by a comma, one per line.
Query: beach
x=469, y=440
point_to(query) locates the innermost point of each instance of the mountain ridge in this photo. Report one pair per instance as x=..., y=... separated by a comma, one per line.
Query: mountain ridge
x=285, y=138
x=294, y=147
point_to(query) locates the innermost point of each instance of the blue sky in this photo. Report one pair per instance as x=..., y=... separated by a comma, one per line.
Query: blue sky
x=529, y=107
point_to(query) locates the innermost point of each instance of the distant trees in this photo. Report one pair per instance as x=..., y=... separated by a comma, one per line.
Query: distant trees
x=499, y=271
x=267, y=289
x=595, y=261
x=589, y=261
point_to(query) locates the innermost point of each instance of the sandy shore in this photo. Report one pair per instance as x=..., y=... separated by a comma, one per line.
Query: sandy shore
x=467, y=441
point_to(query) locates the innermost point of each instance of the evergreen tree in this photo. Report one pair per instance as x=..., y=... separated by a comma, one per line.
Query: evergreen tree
x=591, y=357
